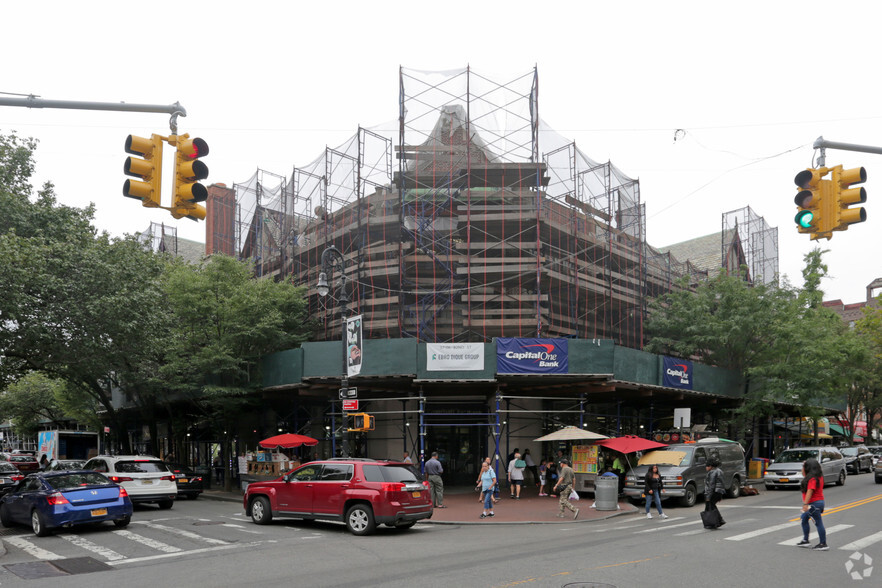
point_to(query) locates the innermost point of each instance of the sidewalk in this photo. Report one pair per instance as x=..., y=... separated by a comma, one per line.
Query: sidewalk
x=462, y=507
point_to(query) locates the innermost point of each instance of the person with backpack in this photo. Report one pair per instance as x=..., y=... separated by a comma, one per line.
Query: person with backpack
x=516, y=475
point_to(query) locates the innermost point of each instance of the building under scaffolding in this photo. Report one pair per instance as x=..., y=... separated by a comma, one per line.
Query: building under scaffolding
x=472, y=220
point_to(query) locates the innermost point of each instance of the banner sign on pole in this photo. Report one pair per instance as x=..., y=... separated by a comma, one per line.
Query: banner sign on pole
x=677, y=373
x=532, y=356
x=353, y=346
x=454, y=357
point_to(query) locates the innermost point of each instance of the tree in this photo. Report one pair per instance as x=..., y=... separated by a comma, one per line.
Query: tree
x=32, y=400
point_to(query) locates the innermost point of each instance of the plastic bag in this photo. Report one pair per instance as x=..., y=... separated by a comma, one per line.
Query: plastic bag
x=574, y=495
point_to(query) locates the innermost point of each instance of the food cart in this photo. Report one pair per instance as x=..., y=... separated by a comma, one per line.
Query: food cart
x=583, y=454
x=269, y=465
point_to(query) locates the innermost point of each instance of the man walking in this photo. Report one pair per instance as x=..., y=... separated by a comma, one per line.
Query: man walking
x=565, y=479
x=436, y=484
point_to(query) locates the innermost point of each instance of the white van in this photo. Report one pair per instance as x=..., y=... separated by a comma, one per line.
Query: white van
x=683, y=469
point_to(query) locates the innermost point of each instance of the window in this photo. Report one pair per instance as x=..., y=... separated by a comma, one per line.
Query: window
x=336, y=472
x=140, y=467
x=307, y=473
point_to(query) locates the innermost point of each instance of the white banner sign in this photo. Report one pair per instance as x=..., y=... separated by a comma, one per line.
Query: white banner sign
x=454, y=357
x=353, y=346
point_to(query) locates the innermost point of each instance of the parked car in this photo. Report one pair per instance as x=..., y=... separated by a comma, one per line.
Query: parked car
x=63, y=465
x=876, y=450
x=189, y=482
x=9, y=477
x=30, y=452
x=683, y=469
x=786, y=470
x=145, y=478
x=48, y=501
x=858, y=459
x=24, y=463
x=878, y=471
x=362, y=493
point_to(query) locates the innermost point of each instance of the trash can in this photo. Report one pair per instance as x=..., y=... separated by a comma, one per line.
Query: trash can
x=606, y=493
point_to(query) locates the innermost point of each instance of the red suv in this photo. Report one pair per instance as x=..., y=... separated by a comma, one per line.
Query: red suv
x=360, y=492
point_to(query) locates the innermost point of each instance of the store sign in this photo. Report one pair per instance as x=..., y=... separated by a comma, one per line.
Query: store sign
x=532, y=356
x=677, y=373
x=454, y=357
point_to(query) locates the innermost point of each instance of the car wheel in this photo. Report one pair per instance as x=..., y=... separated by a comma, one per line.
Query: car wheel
x=405, y=525
x=735, y=489
x=5, y=519
x=841, y=480
x=38, y=524
x=688, y=499
x=360, y=520
x=166, y=504
x=122, y=523
x=261, y=513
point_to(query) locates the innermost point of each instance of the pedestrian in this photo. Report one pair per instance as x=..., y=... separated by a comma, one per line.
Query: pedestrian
x=551, y=475
x=564, y=486
x=652, y=489
x=531, y=467
x=516, y=475
x=44, y=462
x=714, y=489
x=218, y=470
x=511, y=455
x=434, y=469
x=407, y=458
x=620, y=469
x=812, y=486
x=487, y=480
x=543, y=470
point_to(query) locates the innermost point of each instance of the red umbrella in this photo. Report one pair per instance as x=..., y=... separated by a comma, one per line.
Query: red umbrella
x=288, y=440
x=629, y=444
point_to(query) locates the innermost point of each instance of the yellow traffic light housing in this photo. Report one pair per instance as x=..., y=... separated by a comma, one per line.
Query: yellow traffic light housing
x=188, y=171
x=815, y=203
x=844, y=196
x=148, y=168
x=362, y=421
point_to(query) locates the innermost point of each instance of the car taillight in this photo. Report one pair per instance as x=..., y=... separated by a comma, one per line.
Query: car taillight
x=57, y=498
x=16, y=477
x=118, y=479
x=392, y=487
x=426, y=484
x=123, y=493
x=168, y=478
x=197, y=479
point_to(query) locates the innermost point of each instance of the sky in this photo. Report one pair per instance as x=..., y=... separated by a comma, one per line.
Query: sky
x=712, y=106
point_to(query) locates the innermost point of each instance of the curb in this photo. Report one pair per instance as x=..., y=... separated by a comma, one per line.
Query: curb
x=487, y=522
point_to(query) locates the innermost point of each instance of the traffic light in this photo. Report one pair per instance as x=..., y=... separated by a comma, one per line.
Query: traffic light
x=361, y=421
x=148, y=167
x=814, y=202
x=844, y=196
x=188, y=171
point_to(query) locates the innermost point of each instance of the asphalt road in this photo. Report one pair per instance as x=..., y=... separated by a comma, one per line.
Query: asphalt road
x=207, y=543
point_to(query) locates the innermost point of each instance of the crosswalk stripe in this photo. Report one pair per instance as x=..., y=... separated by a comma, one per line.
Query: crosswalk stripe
x=863, y=543
x=31, y=549
x=108, y=554
x=668, y=527
x=814, y=534
x=157, y=545
x=183, y=533
x=758, y=532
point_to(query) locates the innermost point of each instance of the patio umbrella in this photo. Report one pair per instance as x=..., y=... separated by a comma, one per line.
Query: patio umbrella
x=288, y=440
x=571, y=434
x=629, y=444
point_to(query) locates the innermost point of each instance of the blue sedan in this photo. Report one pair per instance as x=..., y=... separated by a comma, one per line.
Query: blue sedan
x=51, y=500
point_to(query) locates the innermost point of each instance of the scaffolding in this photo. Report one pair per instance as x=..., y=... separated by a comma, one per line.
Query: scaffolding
x=467, y=220
x=758, y=241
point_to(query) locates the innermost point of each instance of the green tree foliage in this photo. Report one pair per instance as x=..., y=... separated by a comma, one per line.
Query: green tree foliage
x=31, y=400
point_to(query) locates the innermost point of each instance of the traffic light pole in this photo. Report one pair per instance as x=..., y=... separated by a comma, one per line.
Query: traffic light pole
x=31, y=101
x=823, y=144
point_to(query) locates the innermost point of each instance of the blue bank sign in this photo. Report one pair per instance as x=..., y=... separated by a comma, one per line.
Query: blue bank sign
x=677, y=373
x=531, y=356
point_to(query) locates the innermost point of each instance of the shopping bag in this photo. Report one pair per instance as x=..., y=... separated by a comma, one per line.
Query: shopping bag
x=711, y=518
x=574, y=495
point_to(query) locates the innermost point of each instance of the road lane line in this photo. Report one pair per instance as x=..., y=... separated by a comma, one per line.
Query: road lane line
x=814, y=534
x=152, y=543
x=84, y=543
x=863, y=543
x=667, y=527
x=176, y=554
x=31, y=549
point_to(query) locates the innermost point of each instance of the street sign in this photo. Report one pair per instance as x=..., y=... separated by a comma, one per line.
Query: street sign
x=350, y=405
x=348, y=393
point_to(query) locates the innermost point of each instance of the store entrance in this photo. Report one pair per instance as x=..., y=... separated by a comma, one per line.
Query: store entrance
x=459, y=452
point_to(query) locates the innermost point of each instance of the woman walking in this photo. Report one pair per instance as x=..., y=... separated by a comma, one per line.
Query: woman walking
x=714, y=488
x=813, y=503
x=652, y=489
x=487, y=480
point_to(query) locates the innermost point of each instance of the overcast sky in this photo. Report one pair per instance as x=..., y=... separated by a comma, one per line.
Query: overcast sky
x=750, y=86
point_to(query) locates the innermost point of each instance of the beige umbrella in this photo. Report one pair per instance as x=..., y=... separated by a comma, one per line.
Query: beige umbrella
x=571, y=434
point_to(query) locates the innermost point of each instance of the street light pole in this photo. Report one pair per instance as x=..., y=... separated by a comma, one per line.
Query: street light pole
x=329, y=257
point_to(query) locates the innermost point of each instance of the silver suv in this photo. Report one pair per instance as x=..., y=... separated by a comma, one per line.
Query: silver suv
x=786, y=470
x=145, y=478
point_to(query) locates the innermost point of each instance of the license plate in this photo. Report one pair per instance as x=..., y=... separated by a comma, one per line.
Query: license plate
x=784, y=480
x=146, y=482
x=183, y=480
x=99, y=512
x=415, y=494
x=4, y=480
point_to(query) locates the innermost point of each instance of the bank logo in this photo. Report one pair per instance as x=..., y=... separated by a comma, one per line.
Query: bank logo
x=859, y=566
